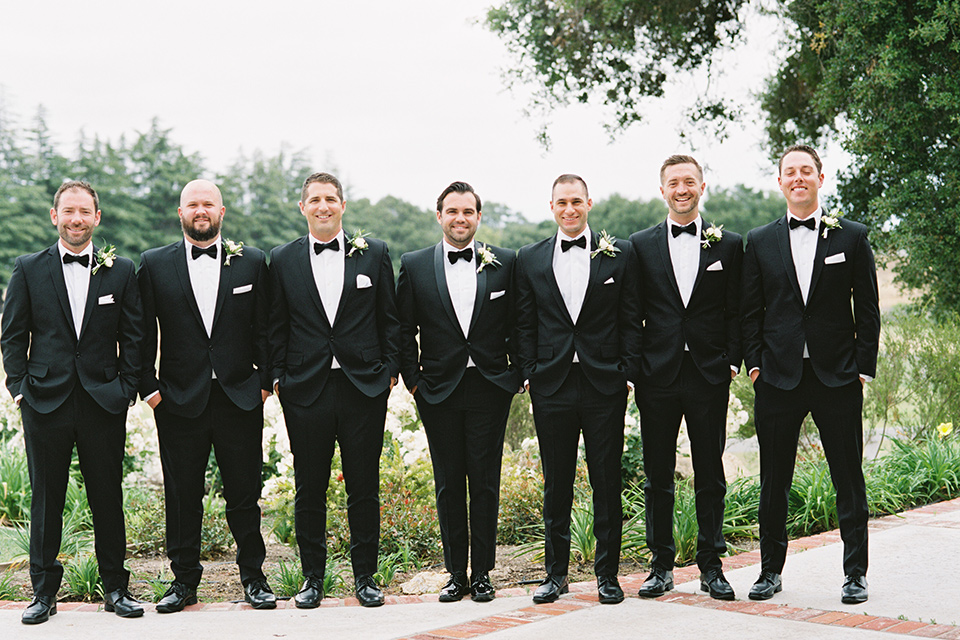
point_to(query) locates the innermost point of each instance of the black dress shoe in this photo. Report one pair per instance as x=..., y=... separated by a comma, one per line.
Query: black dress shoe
x=310, y=594
x=368, y=593
x=714, y=583
x=657, y=583
x=120, y=601
x=481, y=589
x=766, y=585
x=259, y=596
x=608, y=588
x=456, y=587
x=176, y=598
x=550, y=589
x=39, y=610
x=854, y=590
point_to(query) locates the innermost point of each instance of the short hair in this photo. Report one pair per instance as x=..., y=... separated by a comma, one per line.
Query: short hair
x=76, y=184
x=457, y=187
x=324, y=178
x=680, y=159
x=804, y=148
x=570, y=178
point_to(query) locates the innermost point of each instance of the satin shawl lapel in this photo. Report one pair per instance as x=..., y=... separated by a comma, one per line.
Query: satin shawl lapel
x=706, y=259
x=443, y=290
x=663, y=247
x=783, y=241
x=180, y=266
x=595, y=262
x=544, y=259
x=225, y=287
x=351, y=267
x=823, y=246
x=60, y=285
x=306, y=277
x=481, y=288
x=93, y=294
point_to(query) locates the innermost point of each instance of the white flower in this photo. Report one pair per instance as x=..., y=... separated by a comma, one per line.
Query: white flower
x=605, y=246
x=231, y=249
x=713, y=233
x=104, y=258
x=831, y=221
x=357, y=242
x=486, y=257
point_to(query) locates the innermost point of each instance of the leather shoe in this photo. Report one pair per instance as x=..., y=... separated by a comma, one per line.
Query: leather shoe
x=608, y=589
x=258, y=595
x=368, y=593
x=766, y=585
x=714, y=583
x=854, y=590
x=657, y=583
x=176, y=598
x=39, y=610
x=120, y=601
x=481, y=589
x=550, y=589
x=310, y=594
x=455, y=588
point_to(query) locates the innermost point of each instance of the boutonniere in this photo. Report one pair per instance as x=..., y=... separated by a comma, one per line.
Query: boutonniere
x=231, y=249
x=828, y=222
x=486, y=257
x=713, y=233
x=104, y=258
x=357, y=242
x=606, y=246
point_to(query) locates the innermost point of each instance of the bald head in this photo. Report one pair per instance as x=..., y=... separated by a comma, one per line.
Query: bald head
x=196, y=188
x=201, y=212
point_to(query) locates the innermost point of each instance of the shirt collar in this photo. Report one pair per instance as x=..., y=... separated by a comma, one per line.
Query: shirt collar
x=187, y=244
x=697, y=221
x=562, y=236
x=87, y=251
x=340, y=237
x=816, y=215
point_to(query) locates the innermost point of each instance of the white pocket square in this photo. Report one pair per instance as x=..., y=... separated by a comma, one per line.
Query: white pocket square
x=836, y=258
x=716, y=266
x=243, y=289
x=497, y=294
x=363, y=281
x=106, y=299
x=609, y=280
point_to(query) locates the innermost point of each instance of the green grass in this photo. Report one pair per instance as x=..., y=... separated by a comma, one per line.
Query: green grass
x=9, y=548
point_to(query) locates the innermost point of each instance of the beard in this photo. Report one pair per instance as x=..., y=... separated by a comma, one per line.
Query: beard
x=198, y=235
x=73, y=241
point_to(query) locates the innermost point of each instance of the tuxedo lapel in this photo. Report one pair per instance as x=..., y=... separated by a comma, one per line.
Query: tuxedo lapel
x=823, y=246
x=93, y=295
x=594, y=270
x=442, y=289
x=180, y=266
x=60, y=285
x=225, y=286
x=783, y=242
x=481, y=289
x=545, y=262
x=706, y=257
x=351, y=267
x=306, y=277
x=663, y=248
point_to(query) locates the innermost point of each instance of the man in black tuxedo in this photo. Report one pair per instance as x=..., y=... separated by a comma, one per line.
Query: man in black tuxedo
x=578, y=345
x=458, y=295
x=210, y=299
x=334, y=337
x=809, y=350
x=72, y=328
x=689, y=296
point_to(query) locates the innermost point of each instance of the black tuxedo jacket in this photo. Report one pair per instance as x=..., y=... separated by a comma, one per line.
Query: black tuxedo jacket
x=43, y=357
x=424, y=305
x=237, y=349
x=606, y=335
x=842, y=338
x=365, y=333
x=710, y=323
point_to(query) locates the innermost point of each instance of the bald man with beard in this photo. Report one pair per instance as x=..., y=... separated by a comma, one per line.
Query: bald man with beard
x=208, y=299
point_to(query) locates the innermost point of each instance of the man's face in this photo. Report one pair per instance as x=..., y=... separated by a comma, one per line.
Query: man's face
x=570, y=206
x=681, y=188
x=800, y=182
x=75, y=218
x=201, y=211
x=459, y=218
x=323, y=210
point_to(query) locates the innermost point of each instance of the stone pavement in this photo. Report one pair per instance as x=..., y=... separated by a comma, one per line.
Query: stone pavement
x=912, y=584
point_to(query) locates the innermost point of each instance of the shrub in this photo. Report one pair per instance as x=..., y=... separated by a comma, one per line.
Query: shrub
x=521, y=495
x=14, y=484
x=81, y=578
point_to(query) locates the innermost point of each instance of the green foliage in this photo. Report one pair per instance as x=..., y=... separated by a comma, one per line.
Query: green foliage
x=583, y=544
x=81, y=578
x=932, y=463
x=333, y=578
x=14, y=484
x=8, y=590
x=287, y=579
x=215, y=536
x=812, y=505
x=521, y=496
x=145, y=519
x=278, y=510
x=520, y=424
x=157, y=587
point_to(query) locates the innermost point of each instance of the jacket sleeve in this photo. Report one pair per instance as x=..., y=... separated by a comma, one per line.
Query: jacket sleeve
x=731, y=309
x=261, y=352
x=388, y=323
x=407, y=312
x=16, y=320
x=148, y=382
x=752, y=306
x=130, y=335
x=278, y=330
x=630, y=315
x=526, y=318
x=866, y=307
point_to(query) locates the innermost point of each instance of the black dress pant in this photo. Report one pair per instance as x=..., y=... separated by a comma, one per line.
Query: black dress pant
x=837, y=412
x=578, y=407
x=704, y=406
x=342, y=413
x=237, y=440
x=465, y=433
x=49, y=439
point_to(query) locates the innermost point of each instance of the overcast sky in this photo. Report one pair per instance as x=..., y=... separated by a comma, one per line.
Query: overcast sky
x=401, y=98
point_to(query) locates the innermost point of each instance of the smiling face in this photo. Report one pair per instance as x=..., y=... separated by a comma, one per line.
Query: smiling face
x=459, y=218
x=323, y=210
x=800, y=182
x=570, y=206
x=681, y=186
x=201, y=211
x=75, y=217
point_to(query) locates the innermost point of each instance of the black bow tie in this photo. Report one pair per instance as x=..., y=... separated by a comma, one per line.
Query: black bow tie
x=689, y=228
x=809, y=223
x=83, y=260
x=211, y=251
x=579, y=242
x=320, y=247
x=465, y=254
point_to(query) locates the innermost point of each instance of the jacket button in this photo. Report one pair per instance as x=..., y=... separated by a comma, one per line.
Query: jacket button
x=78, y=354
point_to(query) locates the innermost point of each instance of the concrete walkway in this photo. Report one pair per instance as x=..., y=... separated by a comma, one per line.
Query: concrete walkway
x=913, y=588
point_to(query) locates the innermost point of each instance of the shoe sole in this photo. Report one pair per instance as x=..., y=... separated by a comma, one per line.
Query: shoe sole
x=135, y=613
x=655, y=594
x=374, y=603
x=187, y=603
x=765, y=596
x=483, y=598
x=853, y=600
x=553, y=598
x=718, y=596
x=52, y=612
x=306, y=605
x=611, y=600
x=262, y=605
x=446, y=598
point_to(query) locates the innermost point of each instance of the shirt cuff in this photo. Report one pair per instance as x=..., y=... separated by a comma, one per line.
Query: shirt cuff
x=750, y=373
x=17, y=399
x=630, y=385
x=735, y=370
x=147, y=399
x=866, y=378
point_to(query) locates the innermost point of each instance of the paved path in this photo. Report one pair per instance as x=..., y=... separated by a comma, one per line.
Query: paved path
x=914, y=591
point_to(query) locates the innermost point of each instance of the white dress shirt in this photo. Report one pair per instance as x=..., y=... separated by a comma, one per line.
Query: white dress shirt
x=571, y=269
x=685, y=257
x=77, y=278
x=327, y=270
x=462, y=285
x=803, y=248
x=205, y=281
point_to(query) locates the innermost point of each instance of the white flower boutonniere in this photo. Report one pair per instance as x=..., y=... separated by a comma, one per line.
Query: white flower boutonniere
x=828, y=222
x=607, y=246
x=104, y=258
x=713, y=233
x=486, y=257
x=357, y=242
x=231, y=249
